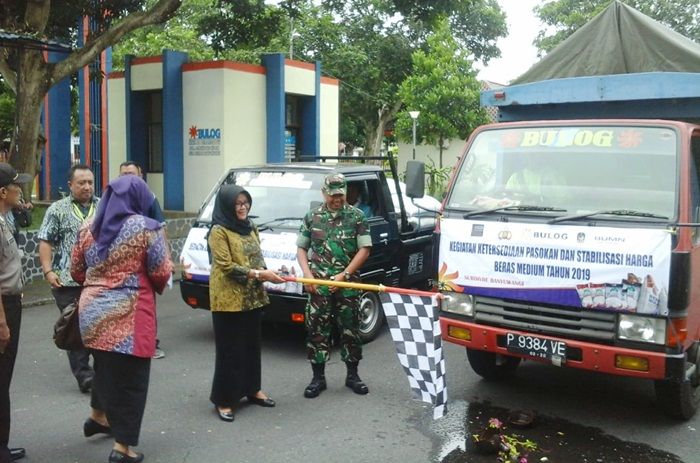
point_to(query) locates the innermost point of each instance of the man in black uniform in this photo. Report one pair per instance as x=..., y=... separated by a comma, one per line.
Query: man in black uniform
x=11, y=301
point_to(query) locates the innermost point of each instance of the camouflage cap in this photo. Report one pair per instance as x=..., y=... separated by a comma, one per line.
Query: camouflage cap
x=334, y=184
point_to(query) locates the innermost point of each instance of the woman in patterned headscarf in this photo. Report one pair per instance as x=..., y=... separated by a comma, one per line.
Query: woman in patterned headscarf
x=236, y=293
x=121, y=260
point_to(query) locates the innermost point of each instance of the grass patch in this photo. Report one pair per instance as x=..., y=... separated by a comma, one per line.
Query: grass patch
x=38, y=212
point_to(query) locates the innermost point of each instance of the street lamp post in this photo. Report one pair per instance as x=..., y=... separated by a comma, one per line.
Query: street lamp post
x=414, y=115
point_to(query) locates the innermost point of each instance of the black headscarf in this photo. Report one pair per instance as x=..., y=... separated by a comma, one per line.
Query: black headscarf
x=225, y=210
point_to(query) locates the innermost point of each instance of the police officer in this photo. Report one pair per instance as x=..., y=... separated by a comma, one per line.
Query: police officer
x=11, y=301
x=333, y=243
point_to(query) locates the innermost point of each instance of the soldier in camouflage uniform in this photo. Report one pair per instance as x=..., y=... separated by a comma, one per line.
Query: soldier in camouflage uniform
x=333, y=243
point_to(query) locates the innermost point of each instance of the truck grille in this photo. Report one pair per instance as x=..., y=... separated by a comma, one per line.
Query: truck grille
x=562, y=321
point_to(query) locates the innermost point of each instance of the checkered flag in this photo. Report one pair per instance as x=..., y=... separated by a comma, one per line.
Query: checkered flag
x=415, y=330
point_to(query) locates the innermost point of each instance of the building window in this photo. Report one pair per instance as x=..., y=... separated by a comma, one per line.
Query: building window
x=291, y=132
x=154, y=131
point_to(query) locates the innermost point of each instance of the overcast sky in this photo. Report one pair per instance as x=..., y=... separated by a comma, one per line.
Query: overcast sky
x=517, y=51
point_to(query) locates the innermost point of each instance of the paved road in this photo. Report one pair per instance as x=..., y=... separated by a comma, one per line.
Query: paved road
x=339, y=426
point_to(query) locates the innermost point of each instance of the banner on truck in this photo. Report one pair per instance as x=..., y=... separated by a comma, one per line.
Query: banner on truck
x=280, y=253
x=619, y=269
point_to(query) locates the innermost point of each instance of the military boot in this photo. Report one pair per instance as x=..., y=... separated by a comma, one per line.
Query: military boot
x=318, y=383
x=353, y=381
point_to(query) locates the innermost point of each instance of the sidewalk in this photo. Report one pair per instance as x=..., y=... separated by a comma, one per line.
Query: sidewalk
x=37, y=292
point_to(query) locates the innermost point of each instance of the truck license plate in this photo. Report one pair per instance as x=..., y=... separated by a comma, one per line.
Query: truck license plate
x=536, y=347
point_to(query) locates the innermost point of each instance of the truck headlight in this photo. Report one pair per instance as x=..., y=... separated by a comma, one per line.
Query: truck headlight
x=458, y=303
x=644, y=329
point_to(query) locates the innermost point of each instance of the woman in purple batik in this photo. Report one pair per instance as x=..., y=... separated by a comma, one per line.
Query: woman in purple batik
x=122, y=259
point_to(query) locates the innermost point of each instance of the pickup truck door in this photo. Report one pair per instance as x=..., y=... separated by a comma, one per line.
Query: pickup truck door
x=380, y=227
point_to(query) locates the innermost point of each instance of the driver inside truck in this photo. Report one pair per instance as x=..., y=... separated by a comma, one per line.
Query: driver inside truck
x=535, y=178
x=354, y=197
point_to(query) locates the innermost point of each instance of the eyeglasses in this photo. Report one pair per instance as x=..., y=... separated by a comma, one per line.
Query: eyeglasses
x=245, y=205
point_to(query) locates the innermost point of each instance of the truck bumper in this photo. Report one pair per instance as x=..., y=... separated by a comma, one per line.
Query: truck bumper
x=585, y=355
x=283, y=308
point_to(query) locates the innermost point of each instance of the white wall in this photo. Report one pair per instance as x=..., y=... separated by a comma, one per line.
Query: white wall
x=147, y=76
x=329, y=119
x=234, y=102
x=245, y=119
x=203, y=107
x=116, y=123
x=427, y=152
x=299, y=80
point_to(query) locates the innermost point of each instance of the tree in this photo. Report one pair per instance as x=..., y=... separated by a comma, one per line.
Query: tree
x=182, y=32
x=370, y=51
x=30, y=77
x=566, y=16
x=444, y=88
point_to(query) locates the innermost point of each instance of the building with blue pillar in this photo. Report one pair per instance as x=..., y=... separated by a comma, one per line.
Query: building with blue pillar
x=187, y=123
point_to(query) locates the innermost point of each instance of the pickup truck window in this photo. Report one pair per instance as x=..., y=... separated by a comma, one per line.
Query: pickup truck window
x=276, y=195
x=578, y=169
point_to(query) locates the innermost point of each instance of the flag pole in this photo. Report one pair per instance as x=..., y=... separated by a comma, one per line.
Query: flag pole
x=362, y=286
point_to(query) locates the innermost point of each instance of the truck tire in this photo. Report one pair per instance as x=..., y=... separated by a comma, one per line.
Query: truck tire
x=371, y=316
x=680, y=399
x=492, y=366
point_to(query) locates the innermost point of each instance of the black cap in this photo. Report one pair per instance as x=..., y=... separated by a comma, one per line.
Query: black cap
x=8, y=175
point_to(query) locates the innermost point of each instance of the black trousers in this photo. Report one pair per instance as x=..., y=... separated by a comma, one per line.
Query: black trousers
x=120, y=388
x=79, y=359
x=237, y=367
x=13, y=315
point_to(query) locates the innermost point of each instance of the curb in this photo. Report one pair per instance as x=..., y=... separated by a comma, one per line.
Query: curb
x=38, y=302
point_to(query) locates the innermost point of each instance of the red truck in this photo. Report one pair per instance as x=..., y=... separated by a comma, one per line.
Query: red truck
x=571, y=235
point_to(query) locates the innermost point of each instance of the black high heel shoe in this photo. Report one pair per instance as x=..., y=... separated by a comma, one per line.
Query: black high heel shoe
x=116, y=456
x=225, y=416
x=266, y=402
x=92, y=427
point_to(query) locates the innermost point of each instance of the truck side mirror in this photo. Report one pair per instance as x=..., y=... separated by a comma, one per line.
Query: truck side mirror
x=415, y=179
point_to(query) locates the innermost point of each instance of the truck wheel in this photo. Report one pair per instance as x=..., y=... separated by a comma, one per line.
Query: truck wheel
x=680, y=399
x=371, y=316
x=492, y=366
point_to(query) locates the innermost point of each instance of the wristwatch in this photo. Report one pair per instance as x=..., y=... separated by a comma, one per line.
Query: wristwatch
x=347, y=275
x=257, y=274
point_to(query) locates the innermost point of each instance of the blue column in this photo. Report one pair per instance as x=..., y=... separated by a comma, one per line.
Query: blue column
x=56, y=159
x=311, y=119
x=173, y=168
x=274, y=90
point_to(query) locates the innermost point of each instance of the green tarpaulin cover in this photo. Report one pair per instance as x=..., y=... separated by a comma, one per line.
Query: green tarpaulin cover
x=619, y=40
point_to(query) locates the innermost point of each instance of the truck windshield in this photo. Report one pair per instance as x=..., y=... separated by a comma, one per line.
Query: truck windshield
x=280, y=197
x=578, y=169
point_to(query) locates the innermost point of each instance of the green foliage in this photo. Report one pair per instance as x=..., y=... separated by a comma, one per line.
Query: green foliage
x=180, y=33
x=63, y=21
x=566, y=16
x=7, y=112
x=38, y=212
x=444, y=88
x=437, y=178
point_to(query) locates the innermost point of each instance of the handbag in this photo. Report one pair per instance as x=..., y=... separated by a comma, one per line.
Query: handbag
x=66, y=330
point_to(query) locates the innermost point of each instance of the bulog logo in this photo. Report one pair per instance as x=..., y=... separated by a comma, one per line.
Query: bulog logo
x=204, y=134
